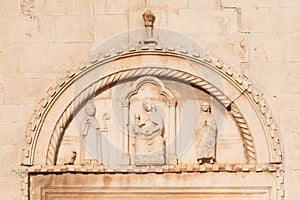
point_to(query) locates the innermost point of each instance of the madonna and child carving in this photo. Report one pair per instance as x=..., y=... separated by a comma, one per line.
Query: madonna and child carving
x=206, y=136
x=149, y=130
x=91, y=133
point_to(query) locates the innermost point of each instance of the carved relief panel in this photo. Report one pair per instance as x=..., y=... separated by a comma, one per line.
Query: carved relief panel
x=152, y=122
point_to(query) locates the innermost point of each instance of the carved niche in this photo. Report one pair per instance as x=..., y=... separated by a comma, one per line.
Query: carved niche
x=147, y=127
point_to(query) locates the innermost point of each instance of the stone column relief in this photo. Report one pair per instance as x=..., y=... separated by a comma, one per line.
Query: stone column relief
x=206, y=136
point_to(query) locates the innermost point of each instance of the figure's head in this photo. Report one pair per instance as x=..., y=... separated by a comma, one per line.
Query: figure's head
x=205, y=107
x=90, y=108
x=147, y=106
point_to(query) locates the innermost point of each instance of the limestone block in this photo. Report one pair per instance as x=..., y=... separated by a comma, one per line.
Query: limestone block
x=291, y=143
x=97, y=6
x=117, y=24
x=259, y=23
x=289, y=3
x=285, y=19
x=36, y=29
x=291, y=77
x=50, y=7
x=66, y=56
x=121, y=7
x=1, y=94
x=81, y=7
x=266, y=77
x=9, y=154
x=250, y=3
x=230, y=48
x=267, y=47
x=26, y=88
x=23, y=113
x=10, y=187
x=9, y=8
x=292, y=182
x=292, y=47
x=167, y=4
x=28, y=54
x=74, y=29
x=289, y=102
x=204, y=4
x=8, y=58
x=6, y=30
x=206, y=21
x=13, y=132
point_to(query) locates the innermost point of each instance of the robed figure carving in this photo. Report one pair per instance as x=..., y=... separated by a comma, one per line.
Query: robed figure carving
x=206, y=136
x=149, y=130
x=89, y=129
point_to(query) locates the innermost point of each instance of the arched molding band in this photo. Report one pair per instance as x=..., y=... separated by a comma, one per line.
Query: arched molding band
x=134, y=73
x=238, y=81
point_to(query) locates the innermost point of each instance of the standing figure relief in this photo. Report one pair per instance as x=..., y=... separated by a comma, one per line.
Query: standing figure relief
x=206, y=136
x=149, y=130
x=91, y=130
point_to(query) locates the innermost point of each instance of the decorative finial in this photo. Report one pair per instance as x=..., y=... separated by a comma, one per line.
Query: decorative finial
x=149, y=18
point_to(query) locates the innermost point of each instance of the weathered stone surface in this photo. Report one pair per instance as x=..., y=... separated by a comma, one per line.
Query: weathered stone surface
x=249, y=24
x=9, y=8
x=26, y=54
x=6, y=30
x=63, y=57
x=20, y=82
x=10, y=184
x=10, y=154
x=47, y=7
x=285, y=19
x=210, y=21
x=292, y=43
x=250, y=3
x=73, y=29
x=36, y=29
x=267, y=48
x=165, y=4
x=115, y=28
x=9, y=58
x=289, y=3
x=96, y=6
x=231, y=46
x=122, y=7
x=13, y=132
x=204, y=4
x=24, y=113
x=42, y=40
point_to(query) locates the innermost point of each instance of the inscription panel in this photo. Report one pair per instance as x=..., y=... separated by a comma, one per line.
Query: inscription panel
x=89, y=186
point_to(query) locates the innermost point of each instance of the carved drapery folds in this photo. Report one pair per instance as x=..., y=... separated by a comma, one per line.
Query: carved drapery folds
x=206, y=136
x=91, y=133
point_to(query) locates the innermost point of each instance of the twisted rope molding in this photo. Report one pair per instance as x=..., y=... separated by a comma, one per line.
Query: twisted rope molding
x=167, y=73
x=240, y=82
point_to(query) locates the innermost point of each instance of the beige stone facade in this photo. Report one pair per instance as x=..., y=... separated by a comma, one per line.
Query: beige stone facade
x=242, y=57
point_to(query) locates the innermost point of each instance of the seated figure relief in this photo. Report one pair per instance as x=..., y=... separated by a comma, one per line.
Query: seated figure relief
x=149, y=130
x=206, y=136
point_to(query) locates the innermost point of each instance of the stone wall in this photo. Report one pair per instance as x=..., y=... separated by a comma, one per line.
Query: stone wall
x=41, y=40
